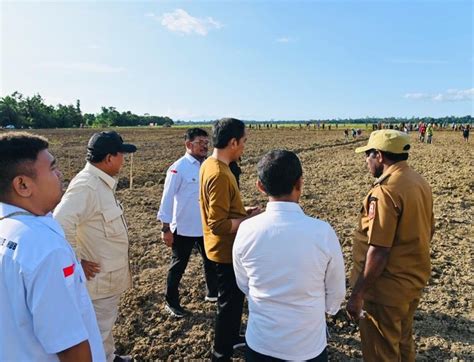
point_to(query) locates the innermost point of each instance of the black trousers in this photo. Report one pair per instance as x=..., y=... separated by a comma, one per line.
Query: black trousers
x=181, y=250
x=253, y=356
x=229, y=311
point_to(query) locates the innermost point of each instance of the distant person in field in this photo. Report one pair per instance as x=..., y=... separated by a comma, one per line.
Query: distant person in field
x=222, y=211
x=465, y=133
x=391, y=250
x=180, y=218
x=422, y=132
x=429, y=133
x=291, y=268
x=346, y=134
x=94, y=224
x=46, y=312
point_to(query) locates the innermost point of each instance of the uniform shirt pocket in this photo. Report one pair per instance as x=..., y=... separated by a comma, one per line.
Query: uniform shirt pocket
x=112, y=281
x=113, y=221
x=190, y=187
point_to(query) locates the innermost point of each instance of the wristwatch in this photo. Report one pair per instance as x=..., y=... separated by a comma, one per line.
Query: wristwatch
x=165, y=229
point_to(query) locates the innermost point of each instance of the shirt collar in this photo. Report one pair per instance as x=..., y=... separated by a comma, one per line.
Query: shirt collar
x=109, y=180
x=396, y=167
x=6, y=209
x=191, y=158
x=284, y=206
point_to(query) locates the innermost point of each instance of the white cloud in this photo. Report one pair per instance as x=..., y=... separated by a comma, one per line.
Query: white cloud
x=181, y=22
x=451, y=95
x=83, y=67
x=284, y=39
x=417, y=96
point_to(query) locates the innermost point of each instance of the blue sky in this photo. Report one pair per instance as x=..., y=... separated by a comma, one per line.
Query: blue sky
x=261, y=60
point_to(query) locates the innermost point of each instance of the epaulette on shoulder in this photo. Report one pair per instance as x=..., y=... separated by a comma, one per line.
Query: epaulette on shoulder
x=85, y=180
x=381, y=179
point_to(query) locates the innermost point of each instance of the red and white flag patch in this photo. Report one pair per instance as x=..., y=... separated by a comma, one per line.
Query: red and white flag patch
x=69, y=270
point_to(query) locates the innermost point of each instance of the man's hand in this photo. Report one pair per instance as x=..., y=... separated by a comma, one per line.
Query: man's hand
x=354, y=306
x=168, y=238
x=253, y=211
x=90, y=268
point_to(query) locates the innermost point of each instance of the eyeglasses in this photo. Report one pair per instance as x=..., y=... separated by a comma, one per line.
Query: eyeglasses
x=201, y=143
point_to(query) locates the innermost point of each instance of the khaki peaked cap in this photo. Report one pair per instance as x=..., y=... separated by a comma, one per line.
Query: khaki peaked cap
x=387, y=140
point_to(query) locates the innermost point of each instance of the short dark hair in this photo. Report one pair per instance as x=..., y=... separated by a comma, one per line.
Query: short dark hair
x=18, y=153
x=394, y=157
x=225, y=129
x=278, y=171
x=192, y=133
x=97, y=157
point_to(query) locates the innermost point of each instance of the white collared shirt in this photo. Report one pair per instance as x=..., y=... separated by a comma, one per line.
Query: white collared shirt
x=291, y=268
x=180, y=201
x=45, y=307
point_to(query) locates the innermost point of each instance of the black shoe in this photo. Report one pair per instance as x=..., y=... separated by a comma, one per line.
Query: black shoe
x=176, y=311
x=240, y=342
x=219, y=357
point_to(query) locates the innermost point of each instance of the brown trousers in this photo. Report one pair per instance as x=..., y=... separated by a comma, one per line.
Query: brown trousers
x=396, y=323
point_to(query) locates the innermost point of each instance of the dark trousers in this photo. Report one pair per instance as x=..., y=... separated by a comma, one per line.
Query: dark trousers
x=181, y=250
x=229, y=311
x=253, y=356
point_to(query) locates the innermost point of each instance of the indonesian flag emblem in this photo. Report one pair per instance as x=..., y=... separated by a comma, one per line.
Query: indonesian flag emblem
x=68, y=271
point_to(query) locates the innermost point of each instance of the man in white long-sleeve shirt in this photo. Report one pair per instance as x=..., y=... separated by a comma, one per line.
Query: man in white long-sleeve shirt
x=181, y=219
x=290, y=266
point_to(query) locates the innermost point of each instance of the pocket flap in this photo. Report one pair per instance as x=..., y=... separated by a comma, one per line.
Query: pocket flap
x=112, y=213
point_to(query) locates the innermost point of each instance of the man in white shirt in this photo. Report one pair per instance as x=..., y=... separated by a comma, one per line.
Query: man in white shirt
x=94, y=224
x=290, y=266
x=46, y=313
x=181, y=219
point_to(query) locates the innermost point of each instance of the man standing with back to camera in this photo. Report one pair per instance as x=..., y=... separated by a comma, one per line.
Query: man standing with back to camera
x=94, y=224
x=181, y=219
x=290, y=266
x=222, y=212
x=391, y=250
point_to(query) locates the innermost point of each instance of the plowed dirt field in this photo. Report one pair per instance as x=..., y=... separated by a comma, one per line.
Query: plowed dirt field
x=336, y=180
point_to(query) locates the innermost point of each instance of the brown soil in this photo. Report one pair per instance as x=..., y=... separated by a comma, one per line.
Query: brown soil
x=336, y=180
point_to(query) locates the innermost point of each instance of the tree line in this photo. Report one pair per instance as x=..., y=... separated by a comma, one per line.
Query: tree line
x=19, y=111
x=32, y=112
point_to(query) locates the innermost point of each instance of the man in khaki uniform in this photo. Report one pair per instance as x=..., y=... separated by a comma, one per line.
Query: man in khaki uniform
x=94, y=224
x=391, y=250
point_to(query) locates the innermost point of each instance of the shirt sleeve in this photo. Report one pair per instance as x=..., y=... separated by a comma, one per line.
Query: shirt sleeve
x=239, y=270
x=53, y=302
x=78, y=204
x=219, y=205
x=172, y=184
x=383, y=218
x=335, y=279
